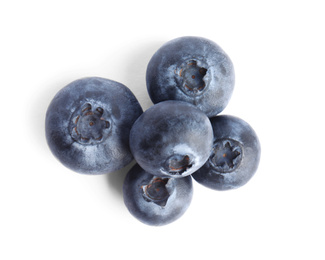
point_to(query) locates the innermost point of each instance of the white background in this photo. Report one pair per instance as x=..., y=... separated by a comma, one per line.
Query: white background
x=278, y=51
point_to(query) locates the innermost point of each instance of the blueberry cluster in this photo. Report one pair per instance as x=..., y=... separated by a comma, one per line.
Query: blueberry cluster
x=96, y=126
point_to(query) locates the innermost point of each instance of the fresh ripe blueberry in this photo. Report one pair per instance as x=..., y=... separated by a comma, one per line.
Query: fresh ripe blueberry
x=156, y=200
x=88, y=124
x=191, y=69
x=235, y=155
x=171, y=139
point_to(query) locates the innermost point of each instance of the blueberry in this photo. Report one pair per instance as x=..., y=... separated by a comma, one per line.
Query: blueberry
x=171, y=139
x=88, y=124
x=156, y=200
x=234, y=157
x=191, y=69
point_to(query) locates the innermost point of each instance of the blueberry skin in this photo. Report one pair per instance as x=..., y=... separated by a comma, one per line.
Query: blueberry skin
x=88, y=124
x=171, y=139
x=191, y=69
x=235, y=155
x=154, y=200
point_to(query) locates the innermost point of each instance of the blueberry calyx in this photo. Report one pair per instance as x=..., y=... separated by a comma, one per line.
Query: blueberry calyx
x=88, y=126
x=226, y=155
x=156, y=191
x=192, y=78
x=178, y=164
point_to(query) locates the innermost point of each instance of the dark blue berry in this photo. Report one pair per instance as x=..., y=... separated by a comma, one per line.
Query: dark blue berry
x=171, y=139
x=234, y=157
x=156, y=200
x=88, y=124
x=191, y=69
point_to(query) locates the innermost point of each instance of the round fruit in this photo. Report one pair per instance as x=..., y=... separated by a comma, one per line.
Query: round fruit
x=88, y=124
x=234, y=157
x=155, y=200
x=191, y=69
x=171, y=139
